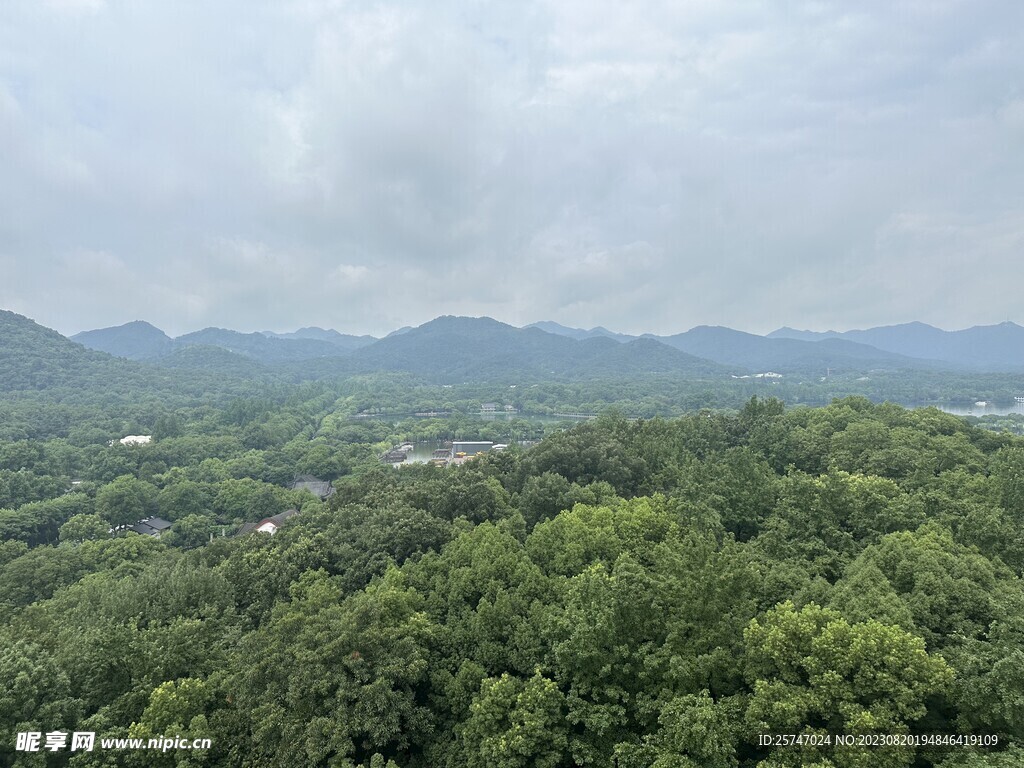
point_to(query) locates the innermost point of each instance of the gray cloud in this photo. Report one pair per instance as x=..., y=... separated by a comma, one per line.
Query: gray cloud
x=645, y=167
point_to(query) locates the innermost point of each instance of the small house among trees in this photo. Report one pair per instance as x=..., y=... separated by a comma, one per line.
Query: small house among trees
x=322, y=489
x=151, y=526
x=268, y=524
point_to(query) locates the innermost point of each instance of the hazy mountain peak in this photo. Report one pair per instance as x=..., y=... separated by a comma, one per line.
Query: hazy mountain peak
x=137, y=340
x=550, y=326
x=788, y=329
x=343, y=341
x=135, y=326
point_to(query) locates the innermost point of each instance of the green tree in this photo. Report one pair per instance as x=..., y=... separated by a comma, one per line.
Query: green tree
x=516, y=723
x=193, y=530
x=84, y=528
x=327, y=680
x=35, y=695
x=1008, y=477
x=694, y=731
x=126, y=500
x=175, y=708
x=811, y=671
x=184, y=498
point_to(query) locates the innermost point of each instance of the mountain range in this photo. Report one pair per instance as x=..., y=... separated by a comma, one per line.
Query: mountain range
x=444, y=350
x=983, y=348
x=455, y=349
x=986, y=347
x=467, y=348
x=138, y=340
x=911, y=346
x=747, y=350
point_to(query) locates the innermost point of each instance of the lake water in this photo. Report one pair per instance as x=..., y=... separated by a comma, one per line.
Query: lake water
x=424, y=452
x=988, y=409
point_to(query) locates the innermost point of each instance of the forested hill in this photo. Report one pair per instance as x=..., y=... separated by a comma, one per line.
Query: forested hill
x=455, y=349
x=266, y=349
x=141, y=341
x=33, y=357
x=36, y=362
x=137, y=340
x=631, y=594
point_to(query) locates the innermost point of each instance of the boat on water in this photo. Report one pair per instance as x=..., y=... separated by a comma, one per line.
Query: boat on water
x=981, y=403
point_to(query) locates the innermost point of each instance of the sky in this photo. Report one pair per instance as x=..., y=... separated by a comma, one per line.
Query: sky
x=646, y=166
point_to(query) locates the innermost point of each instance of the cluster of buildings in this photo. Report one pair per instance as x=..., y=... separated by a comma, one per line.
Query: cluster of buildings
x=458, y=452
x=495, y=408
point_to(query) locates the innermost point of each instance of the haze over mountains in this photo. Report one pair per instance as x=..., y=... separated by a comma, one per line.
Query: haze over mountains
x=139, y=340
x=990, y=347
x=445, y=349
x=461, y=346
x=465, y=348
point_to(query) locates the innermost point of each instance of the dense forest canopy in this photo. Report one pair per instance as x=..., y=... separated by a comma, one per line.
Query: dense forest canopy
x=646, y=592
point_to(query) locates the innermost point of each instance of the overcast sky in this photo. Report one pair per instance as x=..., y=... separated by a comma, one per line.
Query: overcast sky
x=645, y=166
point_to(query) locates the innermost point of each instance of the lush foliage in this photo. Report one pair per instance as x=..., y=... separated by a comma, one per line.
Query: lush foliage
x=641, y=594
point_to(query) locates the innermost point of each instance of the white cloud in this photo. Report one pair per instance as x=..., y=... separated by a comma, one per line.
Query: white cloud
x=76, y=7
x=643, y=167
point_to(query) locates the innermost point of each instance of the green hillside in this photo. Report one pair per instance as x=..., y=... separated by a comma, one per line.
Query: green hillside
x=456, y=349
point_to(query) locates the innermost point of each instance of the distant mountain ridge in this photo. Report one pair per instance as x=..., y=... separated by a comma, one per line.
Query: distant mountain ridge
x=455, y=349
x=342, y=340
x=139, y=340
x=982, y=347
x=549, y=326
x=458, y=346
x=259, y=347
x=445, y=349
x=724, y=345
x=750, y=352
